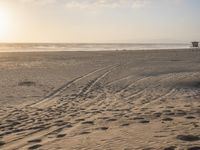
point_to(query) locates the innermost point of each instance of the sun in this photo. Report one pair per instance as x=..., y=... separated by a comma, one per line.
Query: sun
x=4, y=22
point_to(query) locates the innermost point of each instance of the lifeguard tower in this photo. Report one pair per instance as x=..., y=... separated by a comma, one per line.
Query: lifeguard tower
x=195, y=44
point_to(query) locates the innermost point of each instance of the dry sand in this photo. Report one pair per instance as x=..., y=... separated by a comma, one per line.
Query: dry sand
x=126, y=100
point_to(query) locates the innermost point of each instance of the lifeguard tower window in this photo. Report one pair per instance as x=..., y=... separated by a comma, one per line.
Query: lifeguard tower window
x=195, y=44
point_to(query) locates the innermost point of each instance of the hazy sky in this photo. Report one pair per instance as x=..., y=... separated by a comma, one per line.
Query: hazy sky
x=99, y=20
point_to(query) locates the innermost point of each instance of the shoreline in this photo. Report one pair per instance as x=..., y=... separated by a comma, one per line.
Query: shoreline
x=44, y=51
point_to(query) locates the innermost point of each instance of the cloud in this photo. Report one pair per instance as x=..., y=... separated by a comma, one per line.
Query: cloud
x=95, y=4
x=140, y=3
x=92, y=4
x=38, y=2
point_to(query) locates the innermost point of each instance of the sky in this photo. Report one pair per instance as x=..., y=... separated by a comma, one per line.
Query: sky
x=99, y=21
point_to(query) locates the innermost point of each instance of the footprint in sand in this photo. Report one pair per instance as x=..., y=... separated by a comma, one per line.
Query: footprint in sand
x=60, y=123
x=157, y=114
x=102, y=128
x=169, y=107
x=167, y=119
x=127, y=148
x=61, y=135
x=81, y=119
x=144, y=121
x=149, y=148
x=88, y=122
x=35, y=146
x=194, y=148
x=166, y=111
x=170, y=148
x=138, y=118
x=125, y=124
x=2, y=143
x=190, y=138
x=26, y=83
x=190, y=117
x=85, y=132
x=169, y=113
x=35, y=141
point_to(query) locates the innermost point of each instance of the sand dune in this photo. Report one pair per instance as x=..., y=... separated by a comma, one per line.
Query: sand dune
x=124, y=100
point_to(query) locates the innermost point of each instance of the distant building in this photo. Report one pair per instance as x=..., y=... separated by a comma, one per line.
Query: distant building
x=195, y=44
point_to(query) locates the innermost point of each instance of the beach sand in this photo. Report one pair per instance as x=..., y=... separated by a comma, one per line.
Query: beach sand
x=119, y=100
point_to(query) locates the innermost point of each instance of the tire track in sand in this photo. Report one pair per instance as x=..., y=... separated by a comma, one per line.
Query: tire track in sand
x=88, y=88
x=141, y=91
x=48, y=131
x=67, y=85
x=171, y=91
x=59, y=90
x=130, y=85
x=169, y=76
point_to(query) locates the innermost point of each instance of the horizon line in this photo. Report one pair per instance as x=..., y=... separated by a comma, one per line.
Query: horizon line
x=96, y=42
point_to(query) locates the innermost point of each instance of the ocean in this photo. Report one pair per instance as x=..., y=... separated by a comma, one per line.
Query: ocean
x=39, y=47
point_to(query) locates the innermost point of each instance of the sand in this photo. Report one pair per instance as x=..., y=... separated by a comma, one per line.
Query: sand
x=120, y=100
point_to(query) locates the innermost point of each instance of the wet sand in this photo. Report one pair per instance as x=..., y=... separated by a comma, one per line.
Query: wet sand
x=126, y=100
